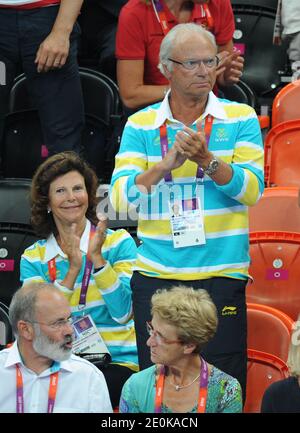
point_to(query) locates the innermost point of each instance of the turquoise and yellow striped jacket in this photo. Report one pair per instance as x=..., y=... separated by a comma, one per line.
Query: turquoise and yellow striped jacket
x=236, y=139
x=109, y=294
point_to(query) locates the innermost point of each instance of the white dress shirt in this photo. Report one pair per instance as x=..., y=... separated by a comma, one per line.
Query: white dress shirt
x=81, y=386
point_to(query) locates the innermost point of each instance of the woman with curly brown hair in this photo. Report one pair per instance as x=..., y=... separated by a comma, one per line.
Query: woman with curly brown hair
x=90, y=264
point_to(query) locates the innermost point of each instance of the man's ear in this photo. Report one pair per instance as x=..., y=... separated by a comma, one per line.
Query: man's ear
x=25, y=330
x=167, y=72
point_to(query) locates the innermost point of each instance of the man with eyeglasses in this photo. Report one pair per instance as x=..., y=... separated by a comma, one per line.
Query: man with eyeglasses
x=192, y=146
x=38, y=372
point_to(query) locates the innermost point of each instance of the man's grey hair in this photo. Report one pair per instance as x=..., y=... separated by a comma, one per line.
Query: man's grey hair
x=23, y=303
x=177, y=35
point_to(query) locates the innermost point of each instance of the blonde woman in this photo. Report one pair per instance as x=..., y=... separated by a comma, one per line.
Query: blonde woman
x=183, y=321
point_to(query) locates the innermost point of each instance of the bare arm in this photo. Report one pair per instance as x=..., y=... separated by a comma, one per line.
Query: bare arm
x=231, y=65
x=54, y=50
x=133, y=91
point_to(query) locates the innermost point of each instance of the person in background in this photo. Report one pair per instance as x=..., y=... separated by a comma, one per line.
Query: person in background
x=42, y=36
x=38, y=372
x=141, y=28
x=90, y=264
x=98, y=21
x=183, y=321
x=284, y=396
x=195, y=146
x=287, y=27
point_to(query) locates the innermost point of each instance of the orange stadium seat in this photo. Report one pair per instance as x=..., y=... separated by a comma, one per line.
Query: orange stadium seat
x=282, y=155
x=286, y=103
x=263, y=369
x=277, y=210
x=275, y=269
x=269, y=330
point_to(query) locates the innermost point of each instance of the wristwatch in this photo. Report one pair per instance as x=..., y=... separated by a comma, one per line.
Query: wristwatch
x=212, y=166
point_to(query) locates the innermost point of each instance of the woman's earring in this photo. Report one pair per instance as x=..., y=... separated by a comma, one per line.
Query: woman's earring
x=48, y=210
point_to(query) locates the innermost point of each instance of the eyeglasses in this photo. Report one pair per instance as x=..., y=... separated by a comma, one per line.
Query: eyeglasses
x=190, y=65
x=59, y=324
x=159, y=338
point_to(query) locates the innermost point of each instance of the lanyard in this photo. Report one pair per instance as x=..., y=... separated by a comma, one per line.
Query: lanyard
x=202, y=392
x=208, y=17
x=160, y=15
x=20, y=395
x=164, y=144
x=162, y=19
x=86, y=274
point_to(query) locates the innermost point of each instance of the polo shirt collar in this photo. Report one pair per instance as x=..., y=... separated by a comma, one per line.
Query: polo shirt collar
x=197, y=13
x=14, y=358
x=52, y=249
x=213, y=107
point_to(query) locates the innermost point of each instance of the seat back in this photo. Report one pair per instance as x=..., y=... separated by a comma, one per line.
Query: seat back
x=282, y=156
x=16, y=233
x=240, y=92
x=286, y=103
x=14, y=239
x=277, y=210
x=23, y=145
x=268, y=4
x=100, y=95
x=254, y=25
x=6, y=334
x=23, y=148
x=15, y=201
x=102, y=101
x=275, y=269
x=19, y=98
x=262, y=370
x=269, y=330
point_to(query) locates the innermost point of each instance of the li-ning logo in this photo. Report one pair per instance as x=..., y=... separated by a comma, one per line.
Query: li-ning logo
x=221, y=135
x=2, y=74
x=229, y=311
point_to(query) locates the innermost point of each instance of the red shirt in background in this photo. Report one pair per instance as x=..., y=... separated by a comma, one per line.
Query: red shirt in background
x=140, y=34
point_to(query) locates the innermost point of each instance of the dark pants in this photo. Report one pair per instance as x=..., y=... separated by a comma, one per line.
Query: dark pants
x=228, y=349
x=57, y=94
x=115, y=376
x=98, y=21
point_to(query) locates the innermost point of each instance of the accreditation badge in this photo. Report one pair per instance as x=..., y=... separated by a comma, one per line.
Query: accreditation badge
x=86, y=336
x=187, y=222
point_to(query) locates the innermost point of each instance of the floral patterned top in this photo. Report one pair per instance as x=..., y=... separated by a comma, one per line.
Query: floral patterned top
x=224, y=393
